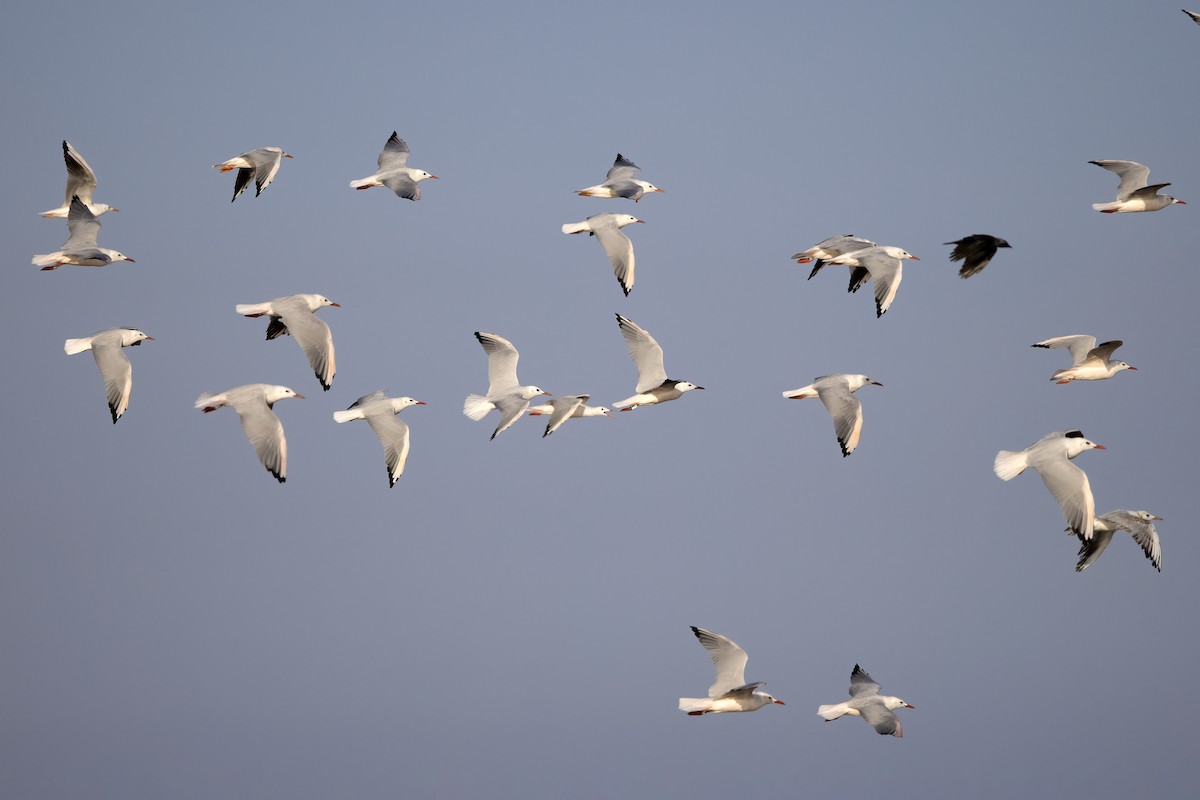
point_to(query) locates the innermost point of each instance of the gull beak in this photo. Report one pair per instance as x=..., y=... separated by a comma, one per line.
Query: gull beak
x=914, y=258
x=1157, y=518
x=661, y=190
x=298, y=396
x=1101, y=447
x=149, y=339
x=420, y=403
x=699, y=387
x=130, y=260
x=906, y=705
x=1134, y=369
x=288, y=155
x=640, y=220
x=435, y=177
x=336, y=305
x=876, y=383
x=1180, y=202
x=547, y=394
x=780, y=703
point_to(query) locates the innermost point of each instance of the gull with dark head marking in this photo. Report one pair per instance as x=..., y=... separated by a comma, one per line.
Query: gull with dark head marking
x=394, y=171
x=565, y=407
x=975, y=251
x=653, y=385
x=883, y=266
x=835, y=392
x=1090, y=361
x=1140, y=524
x=294, y=314
x=730, y=692
x=505, y=393
x=822, y=252
x=380, y=412
x=1051, y=457
x=1133, y=194
x=81, y=183
x=607, y=230
x=113, y=363
x=80, y=248
x=258, y=165
x=254, y=403
x=619, y=182
x=866, y=702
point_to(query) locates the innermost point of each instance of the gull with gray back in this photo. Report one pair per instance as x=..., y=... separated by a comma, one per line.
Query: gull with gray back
x=730, y=692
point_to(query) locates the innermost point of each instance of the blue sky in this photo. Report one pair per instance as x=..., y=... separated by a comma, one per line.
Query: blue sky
x=511, y=620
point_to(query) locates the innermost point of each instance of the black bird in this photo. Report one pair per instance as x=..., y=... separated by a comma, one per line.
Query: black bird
x=975, y=251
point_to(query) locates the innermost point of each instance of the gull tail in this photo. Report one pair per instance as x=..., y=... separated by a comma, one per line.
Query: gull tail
x=695, y=705
x=55, y=213
x=1106, y=208
x=476, y=406
x=348, y=415
x=1009, y=464
x=252, y=309
x=47, y=260
x=74, y=346
x=365, y=183
x=576, y=227
x=832, y=712
x=210, y=402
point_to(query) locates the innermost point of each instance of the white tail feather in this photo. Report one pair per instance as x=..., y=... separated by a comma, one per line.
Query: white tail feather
x=1009, y=464
x=1105, y=206
x=833, y=711
x=47, y=260
x=364, y=183
x=695, y=703
x=476, y=406
x=210, y=400
x=576, y=227
x=74, y=346
x=252, y=309
x=347, y=415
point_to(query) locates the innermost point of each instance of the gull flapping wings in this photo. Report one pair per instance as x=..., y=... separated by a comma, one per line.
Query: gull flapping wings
x=502, y=359
x=646, y=353
x=729, y=659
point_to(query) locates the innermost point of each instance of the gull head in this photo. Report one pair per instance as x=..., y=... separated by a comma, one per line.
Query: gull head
x=684, y=386
x=277, y=393
x=1076, y=444
x=899, y=252
x=1120, y=365
x=530, y=392
x=625, y=219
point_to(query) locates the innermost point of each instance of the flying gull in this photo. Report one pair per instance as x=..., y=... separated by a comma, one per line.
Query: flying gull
x=653, y=385
x=1138, y=523
x=80, y=248
x=394, y=172
x=607, y=230
x=730, y=692
x=106, y=347
x=1051, y=457
x=253, y=404
x=835, y=392
x=619, y=182
x=565, y=407
x=380, y=412
x=821, y=253
x=505, y=392
x=883, y=265
x=294, y=314
x=1089, y=361
x=259, y=165
x=866, y=702
x=1133, y=194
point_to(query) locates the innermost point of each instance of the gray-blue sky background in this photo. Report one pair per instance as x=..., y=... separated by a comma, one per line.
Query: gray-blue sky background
x=511, y=619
